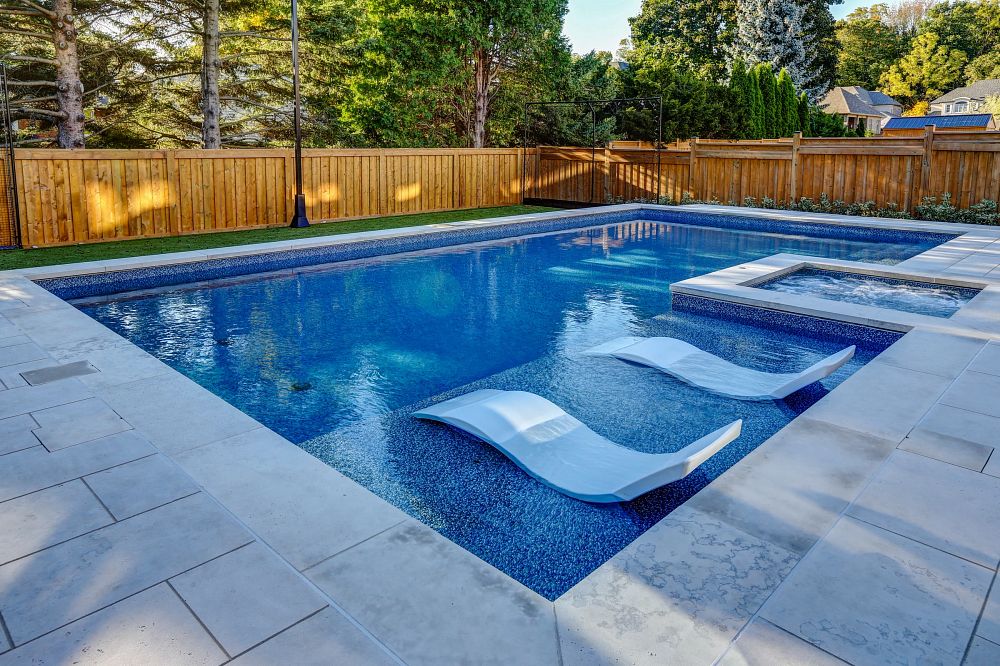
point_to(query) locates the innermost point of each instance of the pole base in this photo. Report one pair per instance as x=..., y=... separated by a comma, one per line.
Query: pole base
x=299, y=219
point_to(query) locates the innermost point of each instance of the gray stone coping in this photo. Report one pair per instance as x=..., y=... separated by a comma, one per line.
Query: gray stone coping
x=183, y=483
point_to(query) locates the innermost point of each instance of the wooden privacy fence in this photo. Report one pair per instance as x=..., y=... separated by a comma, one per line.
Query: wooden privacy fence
x=87, y=196
x=84, y=196
x=886, y=170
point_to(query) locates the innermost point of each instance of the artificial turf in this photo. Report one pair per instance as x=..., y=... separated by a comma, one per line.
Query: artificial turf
x=67, y=254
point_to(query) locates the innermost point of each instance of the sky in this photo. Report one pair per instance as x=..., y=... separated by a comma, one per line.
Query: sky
x=600, y=25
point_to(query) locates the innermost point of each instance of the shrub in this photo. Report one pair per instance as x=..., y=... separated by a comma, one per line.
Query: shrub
x=984, y=212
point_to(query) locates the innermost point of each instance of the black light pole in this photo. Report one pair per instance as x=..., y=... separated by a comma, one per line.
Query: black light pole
x=299, y=218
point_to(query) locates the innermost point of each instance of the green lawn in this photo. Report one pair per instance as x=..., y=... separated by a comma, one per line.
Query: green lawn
x=135, y=248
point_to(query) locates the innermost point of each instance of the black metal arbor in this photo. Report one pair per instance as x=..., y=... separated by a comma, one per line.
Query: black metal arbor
x=10, y=228
x=592, y=105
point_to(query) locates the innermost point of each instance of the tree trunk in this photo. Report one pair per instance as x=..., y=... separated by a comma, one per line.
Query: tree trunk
x=211, y=135
x=481, y=98
x=69, y=88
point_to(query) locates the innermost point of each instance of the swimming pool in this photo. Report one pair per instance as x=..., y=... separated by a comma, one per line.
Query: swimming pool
x=336, y=357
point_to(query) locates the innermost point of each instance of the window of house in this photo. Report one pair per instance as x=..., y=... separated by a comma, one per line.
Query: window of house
x=947, y=108
x=960, y=107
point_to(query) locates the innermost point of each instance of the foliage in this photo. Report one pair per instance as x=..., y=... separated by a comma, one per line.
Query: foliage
x=692, y=106
x=930, y=69
x=692, y=34
x=748, y=105
x=921, y=108
x=787, y=106
x=867, y=46
x=774, y=33
x=764, y=76
x=984, y=212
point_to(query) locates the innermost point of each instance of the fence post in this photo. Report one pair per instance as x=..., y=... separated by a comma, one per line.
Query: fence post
x=692, y=165
x=793, y=182
x=925, y=163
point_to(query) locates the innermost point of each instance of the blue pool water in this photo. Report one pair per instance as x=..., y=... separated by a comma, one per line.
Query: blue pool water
x=937, y=300
x=336, y=357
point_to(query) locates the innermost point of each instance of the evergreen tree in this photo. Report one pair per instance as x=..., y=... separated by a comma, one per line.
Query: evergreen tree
x=788, y=104
x=758, y=113
x=803, y=112
x=741, y=88
x=773, y=32
x=769, y=97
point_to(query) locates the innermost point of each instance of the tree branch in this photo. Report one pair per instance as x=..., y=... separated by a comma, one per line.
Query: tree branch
x=32, y=84
x=32, y=111
x=25, y=33
x=20, y=58
x=38, y=8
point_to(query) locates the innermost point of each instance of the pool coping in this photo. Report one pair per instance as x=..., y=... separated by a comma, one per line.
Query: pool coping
x=595, y=620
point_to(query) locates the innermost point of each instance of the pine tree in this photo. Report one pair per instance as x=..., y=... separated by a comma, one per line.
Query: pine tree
x=788, y=104
x=769, y=95
x=773, y=32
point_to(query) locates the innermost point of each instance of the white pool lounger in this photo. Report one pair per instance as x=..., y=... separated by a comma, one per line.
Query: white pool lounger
x=694, y=366
x=563, y=453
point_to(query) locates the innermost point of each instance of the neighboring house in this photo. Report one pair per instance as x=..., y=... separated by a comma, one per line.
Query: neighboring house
x=968, y=99
x=914, y=125
x=858, y=106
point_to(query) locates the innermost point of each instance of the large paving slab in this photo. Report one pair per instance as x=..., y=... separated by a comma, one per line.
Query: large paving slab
x=138, y=486
x=677, y=595
x=152, y=406
x=325, y=638
x=58, y=585
x=22, y=353
x=266, y=481
x=881, y=400
x=432, y=602
x=988, y=360
x=941, y=505
x=26, y=399
x=16, y=433
x=152, y=627
x=77, y=422
x=763, y=644
x=976, y=392
x=938, y=353
x=982, y=653
x=955, y=436
x=869, y=596
x=47, y=517
x=32, y=469
x=247, y=596
x=989, y=624
x=791, y=490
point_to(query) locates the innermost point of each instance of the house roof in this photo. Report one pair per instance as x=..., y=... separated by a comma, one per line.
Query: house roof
x=843, y=101
x=978, y=90
x=916, y=122
x=873, y=97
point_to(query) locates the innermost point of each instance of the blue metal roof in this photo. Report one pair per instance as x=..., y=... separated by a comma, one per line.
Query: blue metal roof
x=916, y=122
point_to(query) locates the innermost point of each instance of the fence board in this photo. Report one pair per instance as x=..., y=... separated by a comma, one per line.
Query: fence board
x=92, y=195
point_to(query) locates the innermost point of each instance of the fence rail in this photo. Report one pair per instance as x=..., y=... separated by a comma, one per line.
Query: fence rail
x=85, y=196
x=887, y=170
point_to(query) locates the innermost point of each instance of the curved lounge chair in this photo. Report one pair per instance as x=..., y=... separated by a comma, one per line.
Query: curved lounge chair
x=563, y=453
x=694, y=366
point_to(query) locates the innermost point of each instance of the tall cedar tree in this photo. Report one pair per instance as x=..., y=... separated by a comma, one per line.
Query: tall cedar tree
x=787, y=104
x=769, y=98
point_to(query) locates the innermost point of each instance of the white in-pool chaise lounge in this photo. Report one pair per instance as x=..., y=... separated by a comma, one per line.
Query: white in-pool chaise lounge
x=694, y=366
x=563, y=453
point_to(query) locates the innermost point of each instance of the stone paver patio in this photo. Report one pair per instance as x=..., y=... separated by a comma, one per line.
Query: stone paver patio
x=145, y=520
